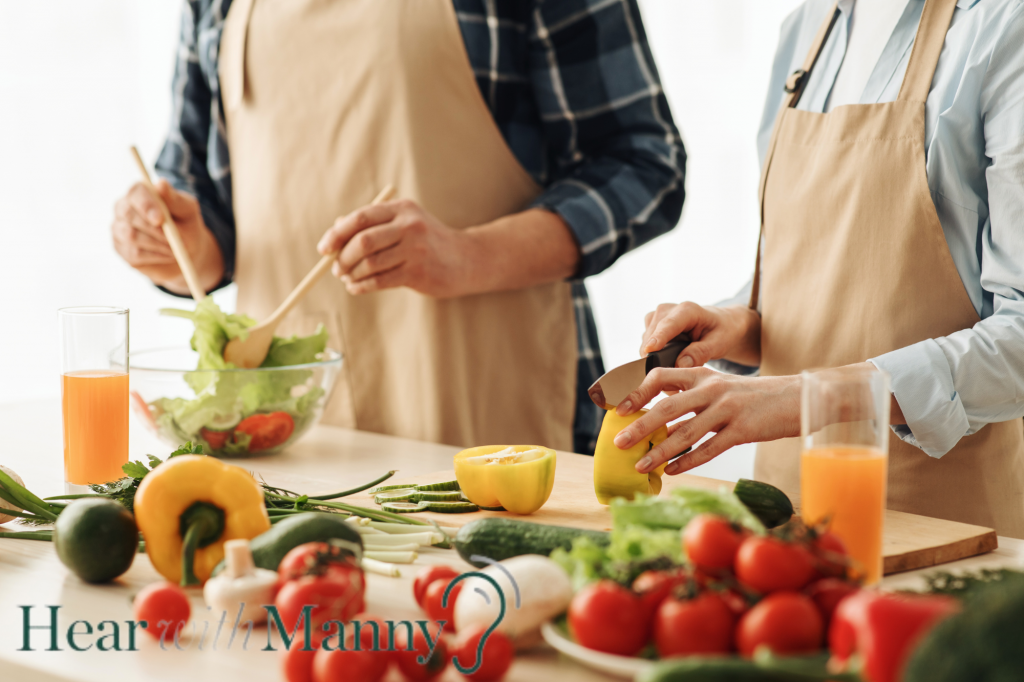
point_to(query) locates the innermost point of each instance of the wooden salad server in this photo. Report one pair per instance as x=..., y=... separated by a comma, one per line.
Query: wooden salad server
x=251, y=352
x=188, y=269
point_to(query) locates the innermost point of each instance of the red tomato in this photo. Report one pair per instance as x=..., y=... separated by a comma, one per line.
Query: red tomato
x=407, y=656
x=433, y=602
x=785, y=622
x=703, y=625
x=332, y=597
x=216, y=439
x=497, y=657
x=607, y=617
x=427, y=575
x=830, y=555
x=827, y=593
x=767, y=564
x=267, y=430
x=317, y=558
x=711, y=543
x=348, y=666
x=654, y=586
x=165, y=609
x=370, y=637
x=297, y=661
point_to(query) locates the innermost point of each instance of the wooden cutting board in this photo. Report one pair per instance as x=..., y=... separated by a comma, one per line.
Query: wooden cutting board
x=911, y=541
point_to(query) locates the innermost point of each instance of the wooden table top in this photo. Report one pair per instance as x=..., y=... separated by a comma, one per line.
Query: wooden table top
x=328, y=458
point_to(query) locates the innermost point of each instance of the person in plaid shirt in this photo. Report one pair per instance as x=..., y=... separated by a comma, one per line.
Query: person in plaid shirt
x=574, y=90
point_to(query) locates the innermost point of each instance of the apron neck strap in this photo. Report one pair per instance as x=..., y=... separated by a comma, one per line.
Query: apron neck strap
x=797, y=80
x=931, y=35
x=234, y=61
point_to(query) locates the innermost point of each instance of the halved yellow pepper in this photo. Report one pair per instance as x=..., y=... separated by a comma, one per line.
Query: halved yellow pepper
x=516, y=477
x=615, y=473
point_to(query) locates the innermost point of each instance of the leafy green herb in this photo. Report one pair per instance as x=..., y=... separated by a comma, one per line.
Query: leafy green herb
x=123, y=490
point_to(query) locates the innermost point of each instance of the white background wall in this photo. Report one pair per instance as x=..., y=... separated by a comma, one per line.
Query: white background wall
x=81, y=81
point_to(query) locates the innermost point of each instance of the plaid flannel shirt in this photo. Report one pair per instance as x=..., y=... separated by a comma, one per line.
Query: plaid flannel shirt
x=575, y=92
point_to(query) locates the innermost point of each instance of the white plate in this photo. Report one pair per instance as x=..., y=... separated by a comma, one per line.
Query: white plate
x=626, y=667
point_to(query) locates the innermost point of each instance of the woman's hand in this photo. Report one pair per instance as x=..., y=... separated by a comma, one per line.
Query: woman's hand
x=398, y=244
x=733, y=333
x=138, y=236
x=736, y=409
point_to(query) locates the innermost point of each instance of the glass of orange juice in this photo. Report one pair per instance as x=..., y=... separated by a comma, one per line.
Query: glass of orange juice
x=844, y=429
x=94, y=393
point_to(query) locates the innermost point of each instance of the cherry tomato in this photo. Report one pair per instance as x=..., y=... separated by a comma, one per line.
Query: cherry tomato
x=332, y=597
x=297, y=661
x=317, y=558
x=736, y=602
x=434, y=598
x=267, y=430
x=785, y=622
x=767, y=564
x=370, y=637
x=654, y=586
x=711, y=543
x=703, y=625
x=216, y=439
x=827, y=593
x=830, y=555
x=339, y=665
x=427, y=575
x=407, y=656
x=497, y=657
x=165, y=608
x=607, y=617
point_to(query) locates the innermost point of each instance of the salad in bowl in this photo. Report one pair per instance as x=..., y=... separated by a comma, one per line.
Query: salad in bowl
x=184, y=394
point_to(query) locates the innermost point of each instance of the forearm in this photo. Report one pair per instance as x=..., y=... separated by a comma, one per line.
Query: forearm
x=520, y=251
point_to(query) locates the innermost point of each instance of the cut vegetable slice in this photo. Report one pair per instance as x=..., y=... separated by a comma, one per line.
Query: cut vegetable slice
x=439, y=507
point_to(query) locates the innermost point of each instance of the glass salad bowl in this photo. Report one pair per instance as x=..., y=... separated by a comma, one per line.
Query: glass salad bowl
x=231, y=412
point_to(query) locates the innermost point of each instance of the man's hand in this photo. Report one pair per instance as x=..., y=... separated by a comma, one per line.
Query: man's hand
x=138, y=236
x=733, y=333
x=398, y=244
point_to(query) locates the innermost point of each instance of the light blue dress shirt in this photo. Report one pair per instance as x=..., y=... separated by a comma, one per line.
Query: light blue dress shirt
x=974, y=140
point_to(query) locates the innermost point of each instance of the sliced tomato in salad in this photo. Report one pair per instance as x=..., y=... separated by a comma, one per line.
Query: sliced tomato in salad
x=216, y=439
x=267, y=430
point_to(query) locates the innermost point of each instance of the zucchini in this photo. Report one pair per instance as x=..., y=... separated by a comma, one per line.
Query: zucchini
x=461, y=507
x=270, y=547
x=768, y=503
x=498, y=539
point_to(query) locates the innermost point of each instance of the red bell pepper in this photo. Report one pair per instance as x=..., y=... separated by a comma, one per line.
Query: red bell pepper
x=884, y=629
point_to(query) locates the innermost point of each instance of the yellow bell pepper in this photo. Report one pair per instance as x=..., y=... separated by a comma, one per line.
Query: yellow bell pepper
x=188, y=507
x=615, y=473
x=516, y=477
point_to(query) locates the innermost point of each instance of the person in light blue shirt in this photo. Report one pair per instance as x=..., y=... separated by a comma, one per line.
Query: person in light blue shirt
x=944, y=388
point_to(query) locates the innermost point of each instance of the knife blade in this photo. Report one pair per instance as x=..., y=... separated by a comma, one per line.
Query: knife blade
x=612, y=388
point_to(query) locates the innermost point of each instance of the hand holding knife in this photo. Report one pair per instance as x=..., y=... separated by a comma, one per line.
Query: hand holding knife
x=612, y=388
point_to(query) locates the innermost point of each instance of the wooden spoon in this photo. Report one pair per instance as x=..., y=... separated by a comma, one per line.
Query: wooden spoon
x=253, y=351
x=173, y=236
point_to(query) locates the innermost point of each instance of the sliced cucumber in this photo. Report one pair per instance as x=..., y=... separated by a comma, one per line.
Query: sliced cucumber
x=415, y=496
x=439, y=507
x=439, y=487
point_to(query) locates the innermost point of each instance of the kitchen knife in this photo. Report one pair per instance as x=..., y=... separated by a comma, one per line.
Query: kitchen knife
x=614, y=386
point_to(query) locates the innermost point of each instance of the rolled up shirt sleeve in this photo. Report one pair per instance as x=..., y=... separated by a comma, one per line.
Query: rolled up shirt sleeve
x=618, y=160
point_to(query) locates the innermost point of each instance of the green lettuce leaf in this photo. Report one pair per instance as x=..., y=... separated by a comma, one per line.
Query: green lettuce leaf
x=675, y=510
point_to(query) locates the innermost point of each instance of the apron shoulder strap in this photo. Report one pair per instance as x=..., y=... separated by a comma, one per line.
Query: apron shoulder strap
x=795, y=85
x=931, y=35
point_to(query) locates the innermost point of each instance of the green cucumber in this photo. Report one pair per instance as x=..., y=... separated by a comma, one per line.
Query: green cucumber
x=764, y=668
x=445, y=486
x=271, y=546
x=500, y=538
x=460, y=507
x=768, y=503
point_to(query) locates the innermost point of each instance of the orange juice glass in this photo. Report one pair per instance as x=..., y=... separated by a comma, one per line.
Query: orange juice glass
x=844, y=463
x=94, y=393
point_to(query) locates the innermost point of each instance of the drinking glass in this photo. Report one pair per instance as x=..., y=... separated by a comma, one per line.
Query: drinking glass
x=94, y=393
x=844, y=428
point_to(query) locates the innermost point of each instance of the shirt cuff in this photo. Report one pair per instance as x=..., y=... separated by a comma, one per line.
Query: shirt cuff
x=589, y=219
x=923, y=386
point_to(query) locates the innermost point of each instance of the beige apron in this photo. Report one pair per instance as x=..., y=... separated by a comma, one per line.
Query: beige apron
x=856, y=265
x=326, y=102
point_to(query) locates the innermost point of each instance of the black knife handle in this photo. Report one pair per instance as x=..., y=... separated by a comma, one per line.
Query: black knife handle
x=666, y=357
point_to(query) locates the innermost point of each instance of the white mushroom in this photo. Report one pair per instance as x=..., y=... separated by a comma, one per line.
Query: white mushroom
x=241, y=586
